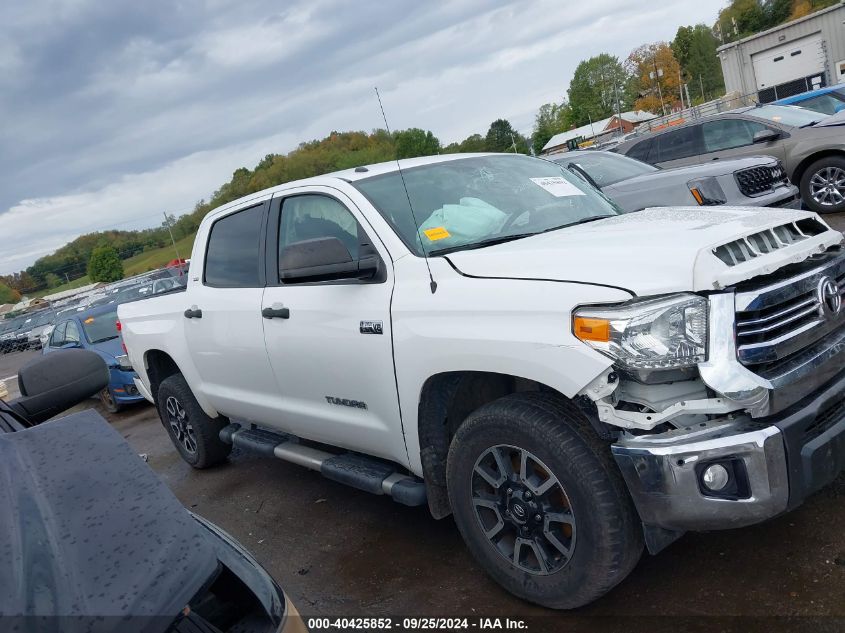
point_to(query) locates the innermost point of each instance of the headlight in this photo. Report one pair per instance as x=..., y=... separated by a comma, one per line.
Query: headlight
x=707, y=191
x=647, y=334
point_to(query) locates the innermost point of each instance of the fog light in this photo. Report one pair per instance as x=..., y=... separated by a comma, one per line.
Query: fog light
x=715, y=477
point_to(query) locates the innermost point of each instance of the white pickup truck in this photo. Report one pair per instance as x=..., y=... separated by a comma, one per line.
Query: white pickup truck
x=489, y=335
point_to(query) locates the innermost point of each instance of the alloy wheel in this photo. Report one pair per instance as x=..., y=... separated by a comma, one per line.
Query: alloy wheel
x=177, y=417
x=827, y=186
x=523, y=509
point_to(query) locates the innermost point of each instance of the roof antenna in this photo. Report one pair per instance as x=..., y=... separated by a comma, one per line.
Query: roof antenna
x=433, y=284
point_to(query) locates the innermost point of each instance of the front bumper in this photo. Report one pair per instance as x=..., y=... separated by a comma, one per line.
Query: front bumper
x=784, y=458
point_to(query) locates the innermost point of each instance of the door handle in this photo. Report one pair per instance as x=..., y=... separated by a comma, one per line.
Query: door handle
x=276, y=313
x=193, y=313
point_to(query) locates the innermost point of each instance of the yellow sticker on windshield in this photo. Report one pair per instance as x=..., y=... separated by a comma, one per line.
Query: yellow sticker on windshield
x=88, y=321
x=437, y=233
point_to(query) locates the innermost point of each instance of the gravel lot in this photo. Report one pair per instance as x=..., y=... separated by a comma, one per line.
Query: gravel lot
x=341, y=552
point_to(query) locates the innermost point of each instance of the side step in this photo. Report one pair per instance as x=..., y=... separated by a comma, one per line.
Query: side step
x=353, y=469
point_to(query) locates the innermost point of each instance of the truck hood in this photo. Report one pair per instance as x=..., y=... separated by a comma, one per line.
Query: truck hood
x=654, y=251
x=89, y=530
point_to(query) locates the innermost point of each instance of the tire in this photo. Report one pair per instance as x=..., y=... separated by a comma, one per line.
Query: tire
x=600, y=530
x=193, y=433
x=823, y=185
x=108, y=401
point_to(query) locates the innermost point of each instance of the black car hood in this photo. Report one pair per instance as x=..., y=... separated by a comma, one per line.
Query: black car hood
x=89, y=530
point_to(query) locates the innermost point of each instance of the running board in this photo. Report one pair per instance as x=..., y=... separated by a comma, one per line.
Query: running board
x=353, y=469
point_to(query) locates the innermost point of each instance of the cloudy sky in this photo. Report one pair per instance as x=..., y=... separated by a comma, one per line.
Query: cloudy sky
x=113, y=112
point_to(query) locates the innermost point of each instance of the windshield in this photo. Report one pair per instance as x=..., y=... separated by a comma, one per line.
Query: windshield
x=606, y=168
x=828, y=103
x=100, y=328
x=786, y=115
x=474, y=201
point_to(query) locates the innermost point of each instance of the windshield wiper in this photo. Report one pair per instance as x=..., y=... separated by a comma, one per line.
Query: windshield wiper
x=581, y=221
x=501, y=239
x=810, y=124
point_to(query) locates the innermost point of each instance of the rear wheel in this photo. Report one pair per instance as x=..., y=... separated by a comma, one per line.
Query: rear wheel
x=540, y=502
x=194, y=434
x=823, y=185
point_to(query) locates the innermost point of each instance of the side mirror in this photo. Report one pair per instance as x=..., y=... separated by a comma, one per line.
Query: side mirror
x=324, y=259
x=765, y=136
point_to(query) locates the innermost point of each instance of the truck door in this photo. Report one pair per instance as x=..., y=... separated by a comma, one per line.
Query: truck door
x=223, y=327
x=330, y=342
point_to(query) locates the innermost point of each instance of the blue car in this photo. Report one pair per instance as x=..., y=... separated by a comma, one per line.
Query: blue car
x=828, y=100
x=96, y=329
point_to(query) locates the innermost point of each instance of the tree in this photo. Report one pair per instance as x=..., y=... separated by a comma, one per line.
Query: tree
x=52, y=280
x=551, y=119
x=655, y=71
x=416, y=142
x=8, y=295
x=105, y=264
x=695, y=49
x=501, y=137
x=595, y=87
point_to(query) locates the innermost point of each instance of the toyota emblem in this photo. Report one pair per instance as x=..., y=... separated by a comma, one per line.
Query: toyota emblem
x=830, y=299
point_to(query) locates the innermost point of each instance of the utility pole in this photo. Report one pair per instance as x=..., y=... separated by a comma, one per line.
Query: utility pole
x=513, y=143
x=701, y=85
x=658, y=72
x=681, y=87
x=167, y=224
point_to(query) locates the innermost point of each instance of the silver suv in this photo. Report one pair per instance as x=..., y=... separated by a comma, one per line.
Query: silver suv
x=810, y=145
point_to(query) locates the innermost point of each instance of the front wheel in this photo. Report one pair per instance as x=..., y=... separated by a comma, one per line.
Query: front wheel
x=194, y=434
x=540, y=502
x=823, y=185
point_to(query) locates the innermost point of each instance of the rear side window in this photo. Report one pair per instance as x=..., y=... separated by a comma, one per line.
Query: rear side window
x=640, y=150
x=233, y=258
x=676, y=144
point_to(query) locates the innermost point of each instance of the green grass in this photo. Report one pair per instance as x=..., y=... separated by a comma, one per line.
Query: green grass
x=143, y=262
x=135, y=265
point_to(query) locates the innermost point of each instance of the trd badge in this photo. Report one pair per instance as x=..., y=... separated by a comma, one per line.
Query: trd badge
x=372, y=327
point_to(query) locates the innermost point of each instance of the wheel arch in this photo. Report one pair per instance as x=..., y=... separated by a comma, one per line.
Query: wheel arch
x=445, y=401
x=798, y=172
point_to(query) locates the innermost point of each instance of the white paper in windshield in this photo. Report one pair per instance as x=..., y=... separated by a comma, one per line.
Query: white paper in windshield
x=558, y=186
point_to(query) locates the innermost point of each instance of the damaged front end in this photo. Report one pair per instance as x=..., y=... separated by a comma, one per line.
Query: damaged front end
x=742, y=428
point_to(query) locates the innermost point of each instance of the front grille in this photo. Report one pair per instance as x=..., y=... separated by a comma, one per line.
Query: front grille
x=757, y=181
x=758, y=244
x=777, y=321
x=825, y=420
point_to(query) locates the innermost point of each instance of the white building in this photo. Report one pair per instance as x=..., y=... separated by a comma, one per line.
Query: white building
x=596, y=131
x=789, y=59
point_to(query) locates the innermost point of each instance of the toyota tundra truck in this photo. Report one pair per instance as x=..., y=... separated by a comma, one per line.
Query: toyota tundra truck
x=492, y=337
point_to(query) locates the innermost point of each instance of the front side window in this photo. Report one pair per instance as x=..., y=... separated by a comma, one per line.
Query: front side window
x=232, y=258
x=729, y=133
x=477, y=201
x=313, y=216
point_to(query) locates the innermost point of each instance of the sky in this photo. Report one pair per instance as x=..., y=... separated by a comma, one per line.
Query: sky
x=115, y=112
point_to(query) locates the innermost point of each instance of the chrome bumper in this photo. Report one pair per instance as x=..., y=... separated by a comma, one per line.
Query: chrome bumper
x=662, y=473
x=783, y=458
